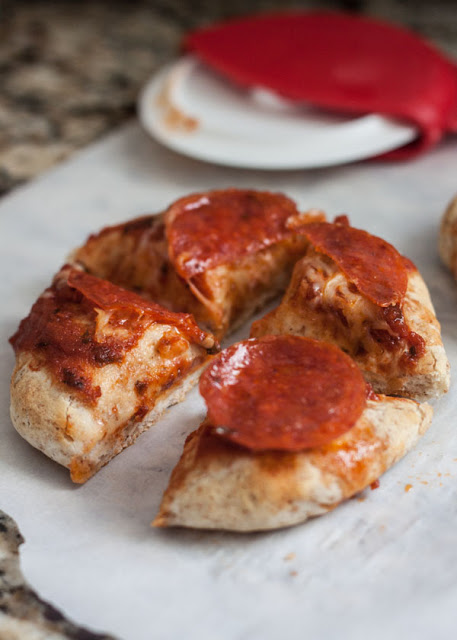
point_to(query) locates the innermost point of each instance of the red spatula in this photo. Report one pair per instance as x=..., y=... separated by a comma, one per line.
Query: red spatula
x=338, y=61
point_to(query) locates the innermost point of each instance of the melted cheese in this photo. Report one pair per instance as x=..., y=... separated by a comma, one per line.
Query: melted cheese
x=322, y=303
x=133, y=386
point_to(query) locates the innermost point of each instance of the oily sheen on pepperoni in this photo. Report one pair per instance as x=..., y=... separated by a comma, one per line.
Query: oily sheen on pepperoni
x=375, y=267
x=208, y=229
x=282, y=393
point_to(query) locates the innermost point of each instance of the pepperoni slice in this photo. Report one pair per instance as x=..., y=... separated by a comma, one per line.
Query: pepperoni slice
x=105, y=295
x=282, y=393
x=375, y=267
x=61, y=328
x=207, y=229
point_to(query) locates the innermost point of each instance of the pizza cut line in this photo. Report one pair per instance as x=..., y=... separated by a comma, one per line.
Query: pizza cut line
x=287, y=437
x=219, y=255
x=324, y=440
x=106, y=349
x=96, y=366
x=128, y=326
x=356, y=291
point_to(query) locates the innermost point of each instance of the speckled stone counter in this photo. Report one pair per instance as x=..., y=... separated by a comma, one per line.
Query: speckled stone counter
x=23, y=614
x=71, y=71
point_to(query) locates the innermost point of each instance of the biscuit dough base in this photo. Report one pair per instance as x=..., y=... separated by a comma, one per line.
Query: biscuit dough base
x=447, y=242
x=427, y=378
x=218, y=485
x=83, y=437
x=135, y=256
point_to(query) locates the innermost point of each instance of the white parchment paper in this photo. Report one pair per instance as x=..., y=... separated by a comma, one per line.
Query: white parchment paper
x=377, y=567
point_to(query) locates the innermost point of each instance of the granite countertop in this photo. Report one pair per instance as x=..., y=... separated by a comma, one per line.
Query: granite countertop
x=72, y=71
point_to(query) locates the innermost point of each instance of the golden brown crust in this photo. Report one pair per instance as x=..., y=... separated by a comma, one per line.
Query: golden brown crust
x=135, y=255
x=234, y=292
x=84, y=436
x=321, y=303
x=447, y=242
x=217, y=485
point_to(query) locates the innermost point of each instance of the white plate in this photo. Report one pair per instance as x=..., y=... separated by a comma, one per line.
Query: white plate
x=194, y=111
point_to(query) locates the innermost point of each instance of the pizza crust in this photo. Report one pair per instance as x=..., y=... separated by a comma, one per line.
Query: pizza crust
x=348, y=315
x=447, y=242
x=217, y=485
x=135, y=255
x=236, y=291
x=84, y=437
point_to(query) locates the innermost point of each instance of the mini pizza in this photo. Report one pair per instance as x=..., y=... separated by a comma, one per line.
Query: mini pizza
x=448, y=237
x=95, y=366
x=292, y=430
x=219, y=255
x=356, y=291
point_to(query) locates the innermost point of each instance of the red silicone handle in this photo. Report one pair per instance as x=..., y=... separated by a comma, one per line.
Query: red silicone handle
x=339, y=61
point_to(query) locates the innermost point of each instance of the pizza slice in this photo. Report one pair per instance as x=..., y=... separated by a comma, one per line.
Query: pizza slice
x=220, y=255
x=448, y=237
x=95, y=366
x=292, y=430
x=356, y=291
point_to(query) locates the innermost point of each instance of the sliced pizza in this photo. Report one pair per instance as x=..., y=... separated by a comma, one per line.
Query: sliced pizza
x=95, y=366
x=220, y=255
x=448, y=237
x=356, y=291
x=292, y=430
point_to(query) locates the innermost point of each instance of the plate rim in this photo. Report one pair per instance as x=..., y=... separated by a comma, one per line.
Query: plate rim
x=151, y=120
